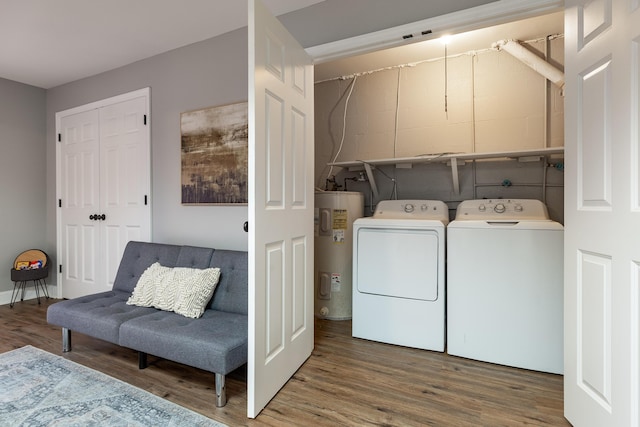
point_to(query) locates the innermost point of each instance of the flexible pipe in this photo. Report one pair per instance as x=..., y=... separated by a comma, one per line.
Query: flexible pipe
x=532, y=60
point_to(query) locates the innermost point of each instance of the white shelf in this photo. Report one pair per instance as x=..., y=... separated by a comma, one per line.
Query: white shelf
x=445, y=158
x=453, y=158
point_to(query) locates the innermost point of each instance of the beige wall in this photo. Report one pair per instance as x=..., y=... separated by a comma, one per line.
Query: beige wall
x=494, y=103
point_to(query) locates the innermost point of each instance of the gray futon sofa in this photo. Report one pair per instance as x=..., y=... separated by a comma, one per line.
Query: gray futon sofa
x=215, y=342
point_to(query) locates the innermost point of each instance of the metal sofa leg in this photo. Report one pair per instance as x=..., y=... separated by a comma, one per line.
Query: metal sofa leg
x=66, y=340
x=221, y=391
x=142, y=360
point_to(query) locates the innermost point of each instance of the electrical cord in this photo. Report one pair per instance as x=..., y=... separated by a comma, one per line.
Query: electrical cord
x=344, y=125
x=394, y=189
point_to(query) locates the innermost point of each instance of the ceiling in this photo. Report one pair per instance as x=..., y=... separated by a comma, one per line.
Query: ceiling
x=47, y=43
x=528, y=29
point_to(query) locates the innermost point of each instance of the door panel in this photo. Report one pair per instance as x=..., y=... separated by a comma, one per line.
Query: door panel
x=594, y=155
x=601, y=213
x=280, y=207
x=594, y=320
x=79, y=158
x=275, y=151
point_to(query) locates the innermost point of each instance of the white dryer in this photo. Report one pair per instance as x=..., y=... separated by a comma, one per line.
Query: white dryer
x=505, y=284
x=399, y=274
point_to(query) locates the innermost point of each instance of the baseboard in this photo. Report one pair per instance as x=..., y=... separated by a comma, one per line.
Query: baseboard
x=5, y=296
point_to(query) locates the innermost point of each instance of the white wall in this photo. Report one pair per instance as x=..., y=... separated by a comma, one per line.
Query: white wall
x=22, y=175
x=494, y=102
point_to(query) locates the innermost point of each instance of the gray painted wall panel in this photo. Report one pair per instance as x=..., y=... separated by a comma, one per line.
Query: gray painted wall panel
x=22, y=174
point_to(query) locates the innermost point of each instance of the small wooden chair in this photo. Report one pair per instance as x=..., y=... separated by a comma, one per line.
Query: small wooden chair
x=20, y=276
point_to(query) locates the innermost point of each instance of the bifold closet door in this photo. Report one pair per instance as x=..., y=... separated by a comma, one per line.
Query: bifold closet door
x=104, y=192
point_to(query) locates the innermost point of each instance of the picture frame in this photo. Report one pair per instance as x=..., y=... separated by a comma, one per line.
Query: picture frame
x=214, y=155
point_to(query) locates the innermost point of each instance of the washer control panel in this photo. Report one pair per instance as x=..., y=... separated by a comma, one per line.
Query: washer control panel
x=412, y=209
x=502, y=209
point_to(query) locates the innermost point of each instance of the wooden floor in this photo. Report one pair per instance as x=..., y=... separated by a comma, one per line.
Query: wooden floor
x=345, y=382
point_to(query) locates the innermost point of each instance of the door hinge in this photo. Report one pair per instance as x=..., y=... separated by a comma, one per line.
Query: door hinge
x=59, y=137
x=59, y=203
x=145, y=119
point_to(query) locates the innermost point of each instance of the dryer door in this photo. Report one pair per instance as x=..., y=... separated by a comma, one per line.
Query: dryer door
x=400, y=263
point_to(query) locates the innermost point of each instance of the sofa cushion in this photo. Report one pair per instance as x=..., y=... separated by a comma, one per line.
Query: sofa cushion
x=194, y=257
x=98, y=315
x=137, y=257
x=216, y=342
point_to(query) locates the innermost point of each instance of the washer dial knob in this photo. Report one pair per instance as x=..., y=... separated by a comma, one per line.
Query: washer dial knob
x=408, y=208
x=499, y=208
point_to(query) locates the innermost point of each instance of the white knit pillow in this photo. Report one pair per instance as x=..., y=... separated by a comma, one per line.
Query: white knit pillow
x=185, y=291
x=166, y=291
x=196, y=289
x=144, y=293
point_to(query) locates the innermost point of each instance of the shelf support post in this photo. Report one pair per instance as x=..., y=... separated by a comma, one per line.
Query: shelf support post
x=454, y=175
x=372, y=181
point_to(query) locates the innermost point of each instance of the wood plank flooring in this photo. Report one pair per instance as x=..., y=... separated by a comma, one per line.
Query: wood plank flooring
x=345, y=382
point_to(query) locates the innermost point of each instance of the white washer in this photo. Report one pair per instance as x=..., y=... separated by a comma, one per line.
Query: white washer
x=505, y=284
x=399, y=274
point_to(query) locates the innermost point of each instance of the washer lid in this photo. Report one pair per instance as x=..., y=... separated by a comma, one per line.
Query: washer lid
x=502, y=210
x=412, y=209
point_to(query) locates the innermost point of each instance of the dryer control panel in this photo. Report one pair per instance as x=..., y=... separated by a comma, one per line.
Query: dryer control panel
x=412, y=209
x=502, y=209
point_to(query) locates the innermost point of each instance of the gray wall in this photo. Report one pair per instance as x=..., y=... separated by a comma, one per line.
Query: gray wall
x=212, y=72
x=22, y=174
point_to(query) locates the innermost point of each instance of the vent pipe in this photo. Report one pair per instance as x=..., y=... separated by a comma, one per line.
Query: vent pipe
x=529, y=58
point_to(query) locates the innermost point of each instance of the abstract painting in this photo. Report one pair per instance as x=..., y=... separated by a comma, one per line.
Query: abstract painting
x=214, y=155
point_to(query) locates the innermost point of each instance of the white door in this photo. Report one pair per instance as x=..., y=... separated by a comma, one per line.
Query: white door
x=104, y=189
x=124, y=180
x=280, y=207
x=602, y=212
x=79, y=201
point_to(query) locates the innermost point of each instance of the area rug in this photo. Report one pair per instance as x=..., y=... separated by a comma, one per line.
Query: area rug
x=38, y=388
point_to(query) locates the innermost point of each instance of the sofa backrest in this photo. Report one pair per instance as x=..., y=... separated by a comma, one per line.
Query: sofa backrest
x=232, y=291
x=137, y=257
